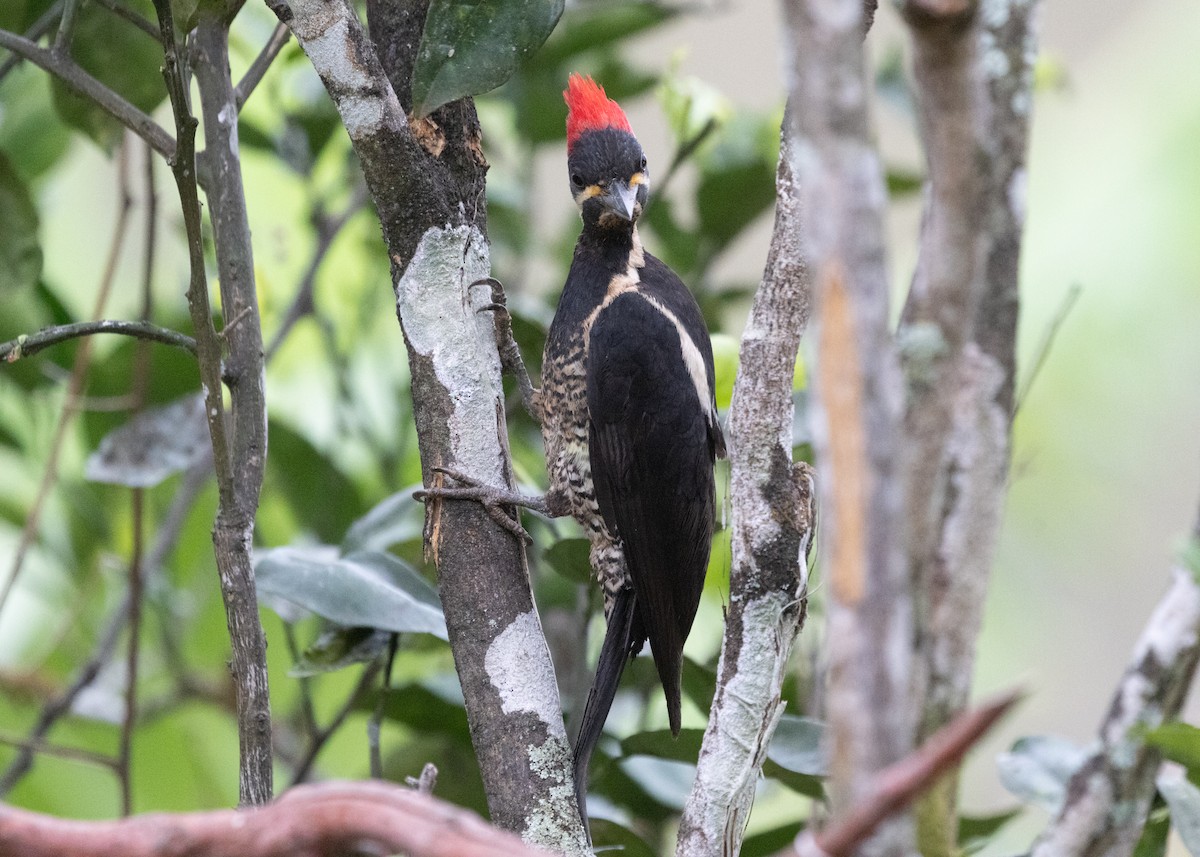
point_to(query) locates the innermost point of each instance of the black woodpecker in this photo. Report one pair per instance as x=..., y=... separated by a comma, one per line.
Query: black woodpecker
x=628, y=415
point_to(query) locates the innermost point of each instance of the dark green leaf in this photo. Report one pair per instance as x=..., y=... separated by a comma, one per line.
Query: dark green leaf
x=699, y=683
x=153, y=445
x=610, y=837
x=595, y=25
x=570, y=558
x=1037, y=768
x=976, y=831
x=363, y=589
x=123, y=58
x=321, y=496
x=1153, y=842
x=902, y=182
x=20, y=252
x=805, y=784
x=771, y=841
x=31, y=134
x=17, y=16
x=398, y=518
x=339, y=647
x=667, y=782
x=661, y=745
x=434, y=706
x=797, y=745
x=471, y=47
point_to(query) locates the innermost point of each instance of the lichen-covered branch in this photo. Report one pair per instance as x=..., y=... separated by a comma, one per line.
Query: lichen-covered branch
x=973, y=68
x=856, y=408
x=1108, y=797
x=773, y=517
x=427, y=182
x=325, y=820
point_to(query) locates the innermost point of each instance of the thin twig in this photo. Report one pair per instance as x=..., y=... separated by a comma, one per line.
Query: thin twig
x=1043, y=352
x=322, y=736
x=66, y=28
x=254, y=75
x=40, y=28
x=899, y=784
x=125, y=13
x=30, y=344
x=75, y=754
x=83, y=84
x=375, y=726
x=75, y=389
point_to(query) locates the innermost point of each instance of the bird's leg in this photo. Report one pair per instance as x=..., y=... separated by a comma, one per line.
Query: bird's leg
x=493, y=498
x=511, y=361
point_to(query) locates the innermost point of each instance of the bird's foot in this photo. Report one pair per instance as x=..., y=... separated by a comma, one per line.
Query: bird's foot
x=494, y=499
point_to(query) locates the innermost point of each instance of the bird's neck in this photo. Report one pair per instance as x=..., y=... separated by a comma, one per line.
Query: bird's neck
x=610, y=250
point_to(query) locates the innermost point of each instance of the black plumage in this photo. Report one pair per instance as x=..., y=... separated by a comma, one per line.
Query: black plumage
x=628, y=416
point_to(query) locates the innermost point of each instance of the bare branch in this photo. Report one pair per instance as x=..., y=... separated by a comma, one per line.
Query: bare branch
x=326, y=820
x=83, y=84
x=1108, y=797
x=899, y=784
x=254, y=75
x=27, y=346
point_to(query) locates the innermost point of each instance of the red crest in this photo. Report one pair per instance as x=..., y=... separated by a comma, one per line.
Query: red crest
x=588, y=109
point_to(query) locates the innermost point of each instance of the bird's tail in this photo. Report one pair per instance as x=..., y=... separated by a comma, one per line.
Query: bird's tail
x=613, y=655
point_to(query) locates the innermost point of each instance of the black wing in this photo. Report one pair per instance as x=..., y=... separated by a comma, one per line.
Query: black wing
x=652, y=445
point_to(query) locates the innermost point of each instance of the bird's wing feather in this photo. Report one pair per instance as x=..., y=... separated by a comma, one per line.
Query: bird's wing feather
x=651, y=455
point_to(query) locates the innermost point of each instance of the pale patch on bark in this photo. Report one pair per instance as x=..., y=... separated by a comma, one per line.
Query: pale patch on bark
x=518, y=664
x=544, y=825
x=439, y=312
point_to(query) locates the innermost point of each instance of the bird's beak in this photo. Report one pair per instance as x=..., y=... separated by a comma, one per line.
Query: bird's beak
x=620, y=198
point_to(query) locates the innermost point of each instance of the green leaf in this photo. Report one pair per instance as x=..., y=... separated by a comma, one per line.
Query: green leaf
x=20, y=252
x=31, y=134
x=667, y=782
x=660, y=744
x=433, y=706
x=571, y=559
x=395, y=519
x=725, y=365
x=699, y=683
x=155, y=444
x=17, y=16
x=976, y=831
x=471, y=47
x=121, y=57
x=1038, y=767
x=797, y=745
x=737, y=178
x=608, y=836
x=590, y=26
x=339, y=647
x=771, y=841
x=320, y=495
x=902, y=182
x=367, y=588
x=1179, y=742
x=1153, y=841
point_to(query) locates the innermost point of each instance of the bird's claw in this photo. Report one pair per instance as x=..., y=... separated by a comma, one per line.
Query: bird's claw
x=489, y=496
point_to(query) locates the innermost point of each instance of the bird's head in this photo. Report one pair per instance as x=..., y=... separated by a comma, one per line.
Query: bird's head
x=605, y=162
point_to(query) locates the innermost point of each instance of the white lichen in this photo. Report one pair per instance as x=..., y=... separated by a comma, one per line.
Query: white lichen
x=519, y=667
x=545, y=823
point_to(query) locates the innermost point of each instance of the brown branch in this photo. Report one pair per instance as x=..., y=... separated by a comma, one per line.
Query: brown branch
x=28, y=345
x=86, y=86
x=326, y=820
x=899, y=784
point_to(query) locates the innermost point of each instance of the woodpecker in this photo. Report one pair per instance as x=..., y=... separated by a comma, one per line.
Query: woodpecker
x=628, y=415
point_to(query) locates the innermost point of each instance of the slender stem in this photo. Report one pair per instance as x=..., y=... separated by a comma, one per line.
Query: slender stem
x=322, y=736
x=66, y=27
x=83, y=84
x=125, y=13
x=254, y=75
x=75, y=754
x=28, y=345
x=125, y=752
x=375, y=727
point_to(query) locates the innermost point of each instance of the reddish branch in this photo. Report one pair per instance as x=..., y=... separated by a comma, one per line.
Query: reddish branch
x=898, y=785
x=326, y=820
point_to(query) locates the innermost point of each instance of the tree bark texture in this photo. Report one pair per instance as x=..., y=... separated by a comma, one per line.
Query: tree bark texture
x=426, y=177
x=856, y=410
x=244, y=375
x=773, y=516
x=973, y=68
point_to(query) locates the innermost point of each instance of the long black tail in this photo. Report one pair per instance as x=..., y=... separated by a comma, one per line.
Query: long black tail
x=613, y=656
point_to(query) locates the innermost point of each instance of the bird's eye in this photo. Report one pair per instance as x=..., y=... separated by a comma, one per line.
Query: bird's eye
x=576, y=180
x=643, y=162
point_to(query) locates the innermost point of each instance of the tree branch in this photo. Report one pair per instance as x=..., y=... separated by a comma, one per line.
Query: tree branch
x=855, y=410
x=83, y=84
x=432, y=208
x=31, y=344
x=1108, y=797
x=254, y=75
x=326, y=820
